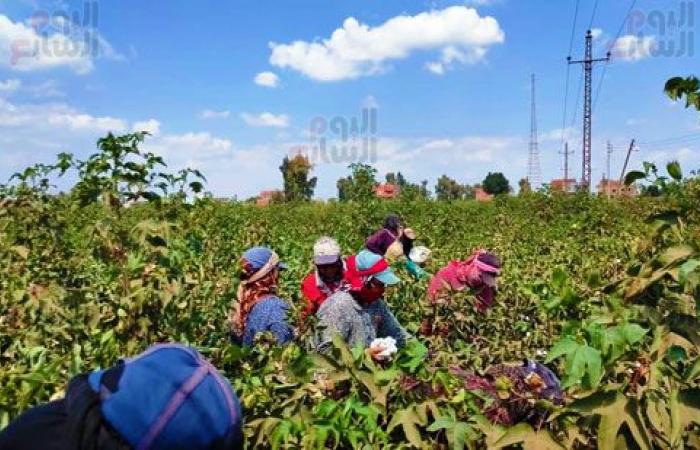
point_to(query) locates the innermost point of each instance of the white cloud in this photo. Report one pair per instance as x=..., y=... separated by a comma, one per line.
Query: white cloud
x=357, y=49
x=23, y=49
x=266, y=119
x=450, y=55
x=556, y=135
x=152, y=126
x=54, y=42
x=55, y=117
x=633, y=48
x=211, y=114
x=435, y=67
x=10, y=86
x=189, y=149
x=267, y=79
x=46, y=89
x=86, y=122
x=596, y=33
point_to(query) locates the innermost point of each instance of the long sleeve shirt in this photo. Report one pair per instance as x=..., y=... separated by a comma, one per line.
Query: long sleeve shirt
x=357, y=325
x=270, y=315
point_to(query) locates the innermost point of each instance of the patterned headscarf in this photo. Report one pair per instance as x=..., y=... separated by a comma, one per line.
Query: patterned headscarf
x=478, y=272
x=256, y=286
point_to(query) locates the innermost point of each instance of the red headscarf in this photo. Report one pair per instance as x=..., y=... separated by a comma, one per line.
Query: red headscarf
x=478, y=272
x=356, y=278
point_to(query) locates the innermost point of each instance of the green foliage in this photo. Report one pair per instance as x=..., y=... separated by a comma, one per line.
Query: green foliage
x=611, y=295
x=359, y=186
x=295, y=173
x=678, y=87
x=496, y=184
x=448, y=189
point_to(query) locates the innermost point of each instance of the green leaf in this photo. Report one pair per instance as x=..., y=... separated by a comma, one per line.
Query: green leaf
x=674, y=169
x=529, y=439
x=633, y=333
x=634, y=176
x=686, y=269
x=196, y=187
x=615, y=410
x=693, y=371
x=564, y=346
x=409, y=421
x=676, y=354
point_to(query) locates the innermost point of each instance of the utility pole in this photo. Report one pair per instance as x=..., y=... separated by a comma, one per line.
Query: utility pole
x=588, y=62
x=566, y=154
x=607, y=166
x=627, y=160
x=534, y=174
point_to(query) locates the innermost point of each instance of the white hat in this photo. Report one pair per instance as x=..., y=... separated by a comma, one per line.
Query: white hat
x=419, y=254
x=326, y=251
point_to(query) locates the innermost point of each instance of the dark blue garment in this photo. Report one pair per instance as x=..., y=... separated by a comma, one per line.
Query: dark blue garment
x=170, y=398
x=270, y=315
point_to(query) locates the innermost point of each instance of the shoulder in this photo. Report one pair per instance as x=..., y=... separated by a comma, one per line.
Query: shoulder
x=269, y=305
x=309, y=282
x=340, y=300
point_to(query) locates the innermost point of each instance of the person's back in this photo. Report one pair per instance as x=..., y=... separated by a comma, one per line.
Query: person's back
x=341, y=314
x=167, y=398
x=257, y=308
x=268, y=315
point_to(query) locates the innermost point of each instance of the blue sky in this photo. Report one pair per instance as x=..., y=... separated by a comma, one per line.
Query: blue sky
x=231, y=87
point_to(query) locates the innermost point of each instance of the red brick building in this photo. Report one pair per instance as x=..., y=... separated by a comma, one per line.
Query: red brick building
x=565, y=185
x=613, y=188
x=387, y=190
x=267, y=197
x=481, y=195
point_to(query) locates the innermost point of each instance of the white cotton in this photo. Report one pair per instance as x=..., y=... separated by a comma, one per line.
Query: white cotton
x=387, y=346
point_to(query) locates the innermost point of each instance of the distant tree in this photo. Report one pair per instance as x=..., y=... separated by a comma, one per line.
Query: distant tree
x=448, y=189
x=359, y=186
x=297, y=185
x=470, y=191
x=424, y=191
x=408, y=190
x=344, y=186
x=496, y=184
x=524, y=185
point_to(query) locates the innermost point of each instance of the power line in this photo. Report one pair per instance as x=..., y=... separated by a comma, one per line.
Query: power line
x=613, y=43
x=568, y=73
x=624, y=21
x=573, y=28
x=595, y=9
x=578, y=98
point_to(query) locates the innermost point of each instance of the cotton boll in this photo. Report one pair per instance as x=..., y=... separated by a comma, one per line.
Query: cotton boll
x=387, y=346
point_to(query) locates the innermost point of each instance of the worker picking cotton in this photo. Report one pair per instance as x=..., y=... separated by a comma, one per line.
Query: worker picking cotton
x=360, y=315
x=327, y=278
x=478, y=273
